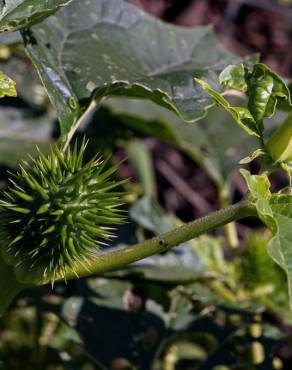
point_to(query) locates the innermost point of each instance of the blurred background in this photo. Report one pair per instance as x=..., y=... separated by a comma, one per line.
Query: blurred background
x=243, y=26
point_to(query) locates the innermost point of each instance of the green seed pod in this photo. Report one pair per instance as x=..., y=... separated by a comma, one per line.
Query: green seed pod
x=279, y=146
x=56, y=214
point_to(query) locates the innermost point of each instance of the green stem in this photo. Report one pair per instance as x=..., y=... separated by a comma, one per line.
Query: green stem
x=164, y=242
x=9, y=286
x=78, y=123
x=141, y=160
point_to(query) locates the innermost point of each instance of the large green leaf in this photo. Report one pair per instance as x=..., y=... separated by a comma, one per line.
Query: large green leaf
x=110, y=47
x=16, y=14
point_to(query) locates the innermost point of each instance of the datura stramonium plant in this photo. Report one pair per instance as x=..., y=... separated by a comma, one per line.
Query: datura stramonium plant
x=57, y=213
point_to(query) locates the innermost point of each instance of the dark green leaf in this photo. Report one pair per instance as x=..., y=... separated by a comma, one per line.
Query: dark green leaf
x=109, y=47
x=264, y=89
x=16, y=14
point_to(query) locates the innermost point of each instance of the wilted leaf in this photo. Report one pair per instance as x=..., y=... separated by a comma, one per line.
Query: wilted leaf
x=110, y=47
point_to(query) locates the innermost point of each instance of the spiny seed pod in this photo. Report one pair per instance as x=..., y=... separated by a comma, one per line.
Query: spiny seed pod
x=56, y=214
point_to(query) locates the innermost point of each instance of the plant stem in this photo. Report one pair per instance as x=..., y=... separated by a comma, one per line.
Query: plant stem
x=9, y=286
x=141, y=160
x=79, y=122
x=166, y=241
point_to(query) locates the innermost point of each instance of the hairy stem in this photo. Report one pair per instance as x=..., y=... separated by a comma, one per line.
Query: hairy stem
x=166, y=241
x=10, y=287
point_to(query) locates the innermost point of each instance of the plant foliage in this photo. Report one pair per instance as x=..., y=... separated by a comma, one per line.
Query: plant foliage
x=104, y=57
x=198, y=304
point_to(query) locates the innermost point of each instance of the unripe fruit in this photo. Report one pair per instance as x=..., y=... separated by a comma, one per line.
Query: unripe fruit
x=279, y=146
x=56, y=214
